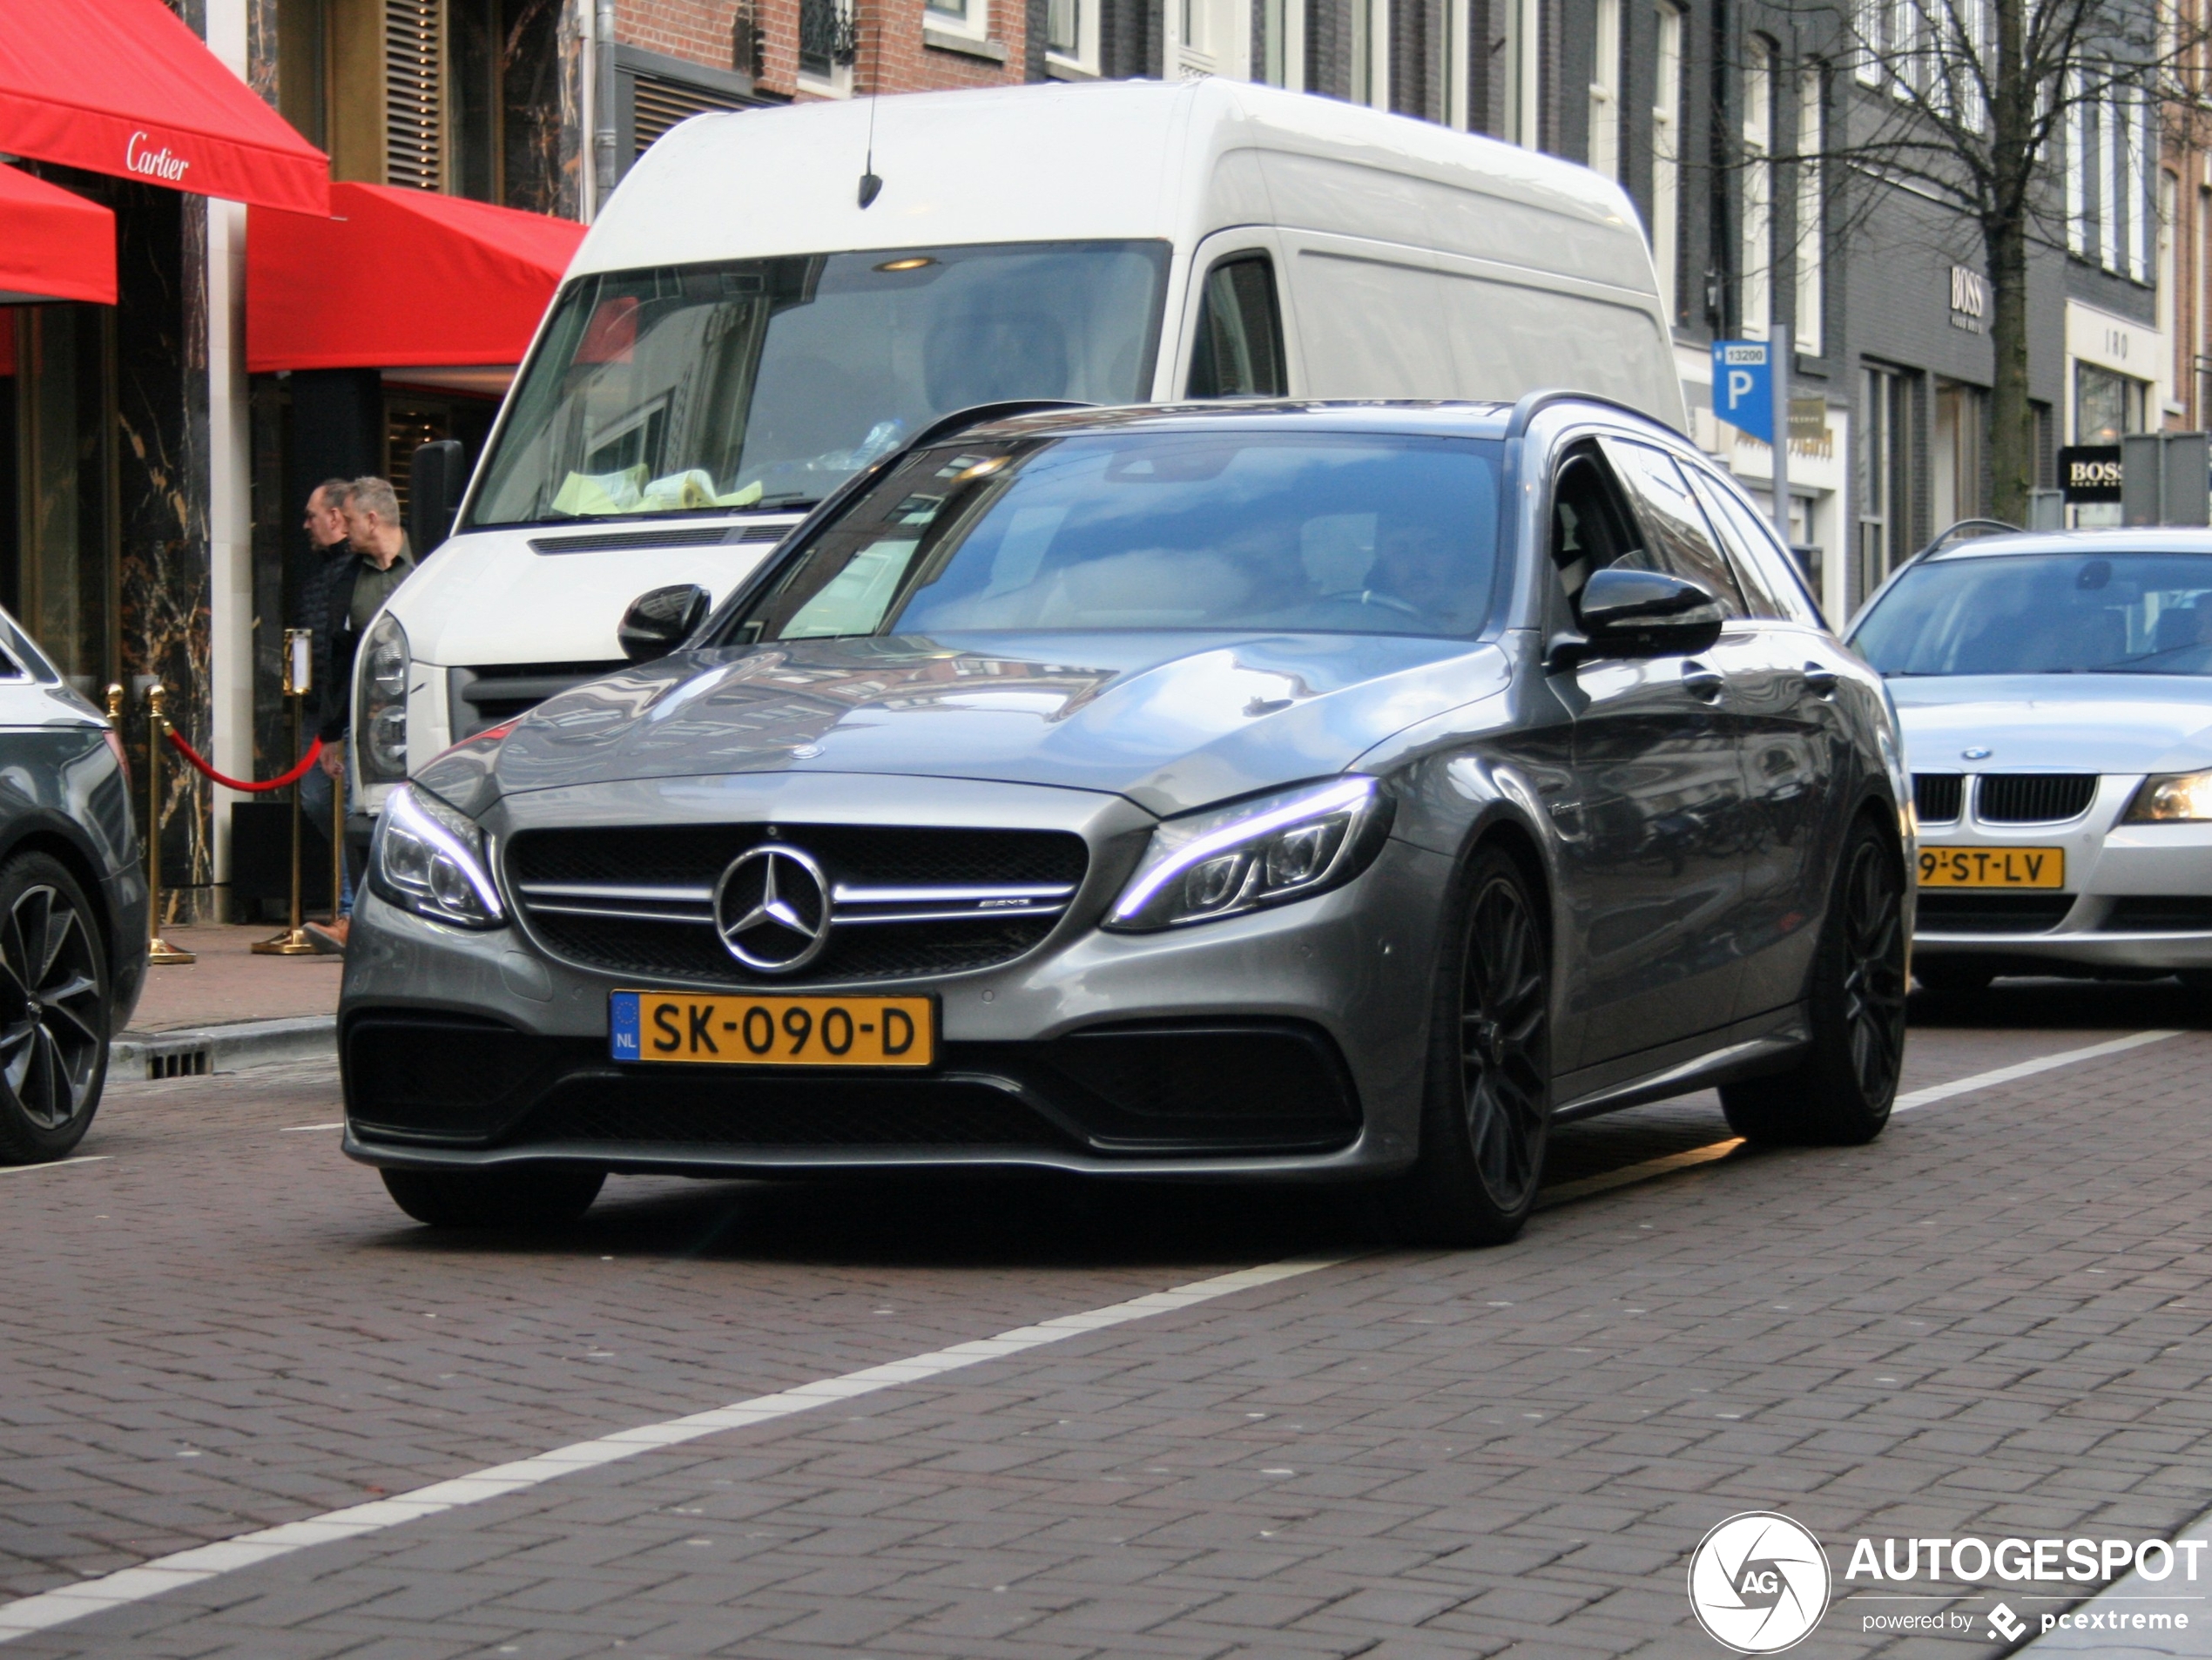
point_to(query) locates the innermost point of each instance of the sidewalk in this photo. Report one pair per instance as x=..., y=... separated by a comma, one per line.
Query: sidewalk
x=229, y=1008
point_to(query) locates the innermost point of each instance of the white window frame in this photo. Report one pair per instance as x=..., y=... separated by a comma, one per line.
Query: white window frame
x=1605, y=89
x=1810, y=298
x=2142, y=188
x=1869, y=17
x=2077, y=167
x=1458, y=90
x=838, y=84
x=1755, y=244
x=1666, y=152
x=1208, y=38
x=1084, y=59
x=1371, y=53
x=2112, y=168
x=1523, y=51
x=971, y=18
x=1286, y=62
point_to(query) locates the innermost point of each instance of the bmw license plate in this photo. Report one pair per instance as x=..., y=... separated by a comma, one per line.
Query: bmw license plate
x=1993, y=867
x=747, y=1030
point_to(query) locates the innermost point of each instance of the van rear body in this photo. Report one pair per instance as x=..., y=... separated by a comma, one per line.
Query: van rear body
x=738, y=333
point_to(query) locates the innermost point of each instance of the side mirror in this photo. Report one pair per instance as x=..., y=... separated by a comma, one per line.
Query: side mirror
x=1644, y=613
x=658, y=622
x=437, y=478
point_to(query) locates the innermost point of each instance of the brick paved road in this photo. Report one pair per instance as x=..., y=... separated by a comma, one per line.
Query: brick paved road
x=1992, y=1321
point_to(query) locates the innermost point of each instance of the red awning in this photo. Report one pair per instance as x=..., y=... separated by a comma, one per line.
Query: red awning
x=399, y=278
x=123, y=87
x=53, y=244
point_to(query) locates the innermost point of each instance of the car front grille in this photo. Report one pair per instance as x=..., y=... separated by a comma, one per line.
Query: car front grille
x=908, y=902
x=1941, y=912
x=1938, y=796
x=483, y=697
x=2033, y=798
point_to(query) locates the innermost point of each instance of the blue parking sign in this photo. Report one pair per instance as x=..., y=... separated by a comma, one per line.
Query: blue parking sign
x=1743, y=387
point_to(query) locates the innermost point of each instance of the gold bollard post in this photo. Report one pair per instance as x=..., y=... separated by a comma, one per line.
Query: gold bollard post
x=294, y=941
x=159, y=950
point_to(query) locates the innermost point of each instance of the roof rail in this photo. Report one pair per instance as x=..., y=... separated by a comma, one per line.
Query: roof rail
x=1533, y=403
x=978, y=414
x=1963, y=524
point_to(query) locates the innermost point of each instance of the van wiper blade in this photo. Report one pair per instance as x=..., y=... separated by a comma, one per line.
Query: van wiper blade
x=798, y=499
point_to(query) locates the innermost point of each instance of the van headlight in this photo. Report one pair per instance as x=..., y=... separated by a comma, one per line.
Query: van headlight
x=1270, y=851
x=432, y=860
x=2172, y=798
x=380, y=719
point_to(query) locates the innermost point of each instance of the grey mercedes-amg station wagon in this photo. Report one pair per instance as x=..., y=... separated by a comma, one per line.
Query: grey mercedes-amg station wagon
x=1270, y=792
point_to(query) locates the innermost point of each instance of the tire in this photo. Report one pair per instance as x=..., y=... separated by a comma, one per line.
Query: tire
x=1951, y=977
x=55, y=1010
x=532, y=1196
x=1840, y=1094
x=1485, y=1112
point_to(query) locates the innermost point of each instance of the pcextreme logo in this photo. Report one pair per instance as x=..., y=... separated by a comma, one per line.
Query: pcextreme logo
x=1758, y=1582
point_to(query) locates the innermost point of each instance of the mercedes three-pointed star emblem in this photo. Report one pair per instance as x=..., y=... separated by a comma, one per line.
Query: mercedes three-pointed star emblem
x=772, y=908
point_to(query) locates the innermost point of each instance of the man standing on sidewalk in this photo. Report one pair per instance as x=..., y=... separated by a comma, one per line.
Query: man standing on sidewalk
x=378, y=561
x=326, y=550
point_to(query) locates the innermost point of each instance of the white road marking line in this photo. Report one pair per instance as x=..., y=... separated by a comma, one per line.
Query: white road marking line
x=1936, y=1092
x=57, y=1164
x=59, y=1607
x=290, y=1130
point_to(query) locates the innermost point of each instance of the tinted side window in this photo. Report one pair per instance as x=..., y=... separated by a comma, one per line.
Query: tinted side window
x=1239, y=350
x=1771, y=585
x=1591, y=527
x=1680, y=544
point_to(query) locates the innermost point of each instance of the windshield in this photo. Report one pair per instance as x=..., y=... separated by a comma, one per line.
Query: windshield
x=765, y=383
x=1209, y=530
x=2116, y=613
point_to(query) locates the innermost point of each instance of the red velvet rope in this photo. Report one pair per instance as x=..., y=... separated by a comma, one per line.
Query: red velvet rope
x=199, y=764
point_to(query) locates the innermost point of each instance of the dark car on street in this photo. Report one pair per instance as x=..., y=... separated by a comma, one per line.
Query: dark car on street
x=1268, y=791
x=72, y=904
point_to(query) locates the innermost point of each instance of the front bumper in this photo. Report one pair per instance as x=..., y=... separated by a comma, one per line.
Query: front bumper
x=1289, y=1042
x=2138, y=897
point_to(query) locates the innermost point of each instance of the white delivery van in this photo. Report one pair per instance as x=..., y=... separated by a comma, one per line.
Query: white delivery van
x=741, y=330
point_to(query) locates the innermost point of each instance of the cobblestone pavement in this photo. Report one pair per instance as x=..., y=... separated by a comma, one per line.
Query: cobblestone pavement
x=1992, y=1321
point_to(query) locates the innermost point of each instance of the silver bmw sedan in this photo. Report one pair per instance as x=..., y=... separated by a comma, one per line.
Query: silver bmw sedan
x=1275, y=791
x=2056, y=691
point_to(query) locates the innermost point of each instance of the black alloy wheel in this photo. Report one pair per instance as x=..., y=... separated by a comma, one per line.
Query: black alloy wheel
x=1840, y=1092
x=54, y=1013
x=1486, y=1122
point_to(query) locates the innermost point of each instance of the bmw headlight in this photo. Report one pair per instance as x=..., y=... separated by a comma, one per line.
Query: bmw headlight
x=1264, y=852
x=433, y=861
x=2172, y=798
x=380, y=719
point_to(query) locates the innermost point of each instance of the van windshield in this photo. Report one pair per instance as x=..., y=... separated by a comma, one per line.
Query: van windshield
x=762, y=384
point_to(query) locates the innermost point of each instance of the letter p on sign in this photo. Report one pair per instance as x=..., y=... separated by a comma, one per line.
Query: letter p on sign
x=1742, y=391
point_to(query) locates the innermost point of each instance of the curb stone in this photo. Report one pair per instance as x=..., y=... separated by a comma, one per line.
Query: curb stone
x=197, y=1051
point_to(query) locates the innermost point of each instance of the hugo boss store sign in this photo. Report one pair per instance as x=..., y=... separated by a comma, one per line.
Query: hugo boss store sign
x=2157, y=477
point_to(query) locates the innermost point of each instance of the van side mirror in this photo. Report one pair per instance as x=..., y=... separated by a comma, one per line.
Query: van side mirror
x=436, y=477
x=659, y=621
x=1640, y=613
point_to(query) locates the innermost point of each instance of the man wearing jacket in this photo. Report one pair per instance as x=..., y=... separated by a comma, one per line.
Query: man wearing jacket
x=379, y=560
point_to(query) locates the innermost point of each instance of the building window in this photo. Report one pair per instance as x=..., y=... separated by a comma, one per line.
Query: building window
x=971, y=17
x=1757, y=247
x=1961, y=426
x=827, y=47
x=413, y=95
x=504, y=98
x=1884, y=475
x=1071, y=34
x=2106, y=407
x=2077, y=167
x=1211, y=38
x=1813, y=213
x=1371, y=53
x=1666, y=154
x=1605, y=89
x=1521, y=47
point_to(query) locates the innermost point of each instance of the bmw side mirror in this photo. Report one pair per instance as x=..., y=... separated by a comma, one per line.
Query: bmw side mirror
x=659, y=621
x=1641, y=613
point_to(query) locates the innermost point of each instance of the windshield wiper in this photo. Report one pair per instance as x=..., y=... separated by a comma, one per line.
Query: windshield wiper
x=795, y=499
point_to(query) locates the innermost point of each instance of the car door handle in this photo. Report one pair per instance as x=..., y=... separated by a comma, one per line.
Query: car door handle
x=1702, y=683
x=1821, y=680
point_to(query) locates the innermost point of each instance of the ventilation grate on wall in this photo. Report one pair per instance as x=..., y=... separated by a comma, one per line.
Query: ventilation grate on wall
x=413, y=100
x=660, y=104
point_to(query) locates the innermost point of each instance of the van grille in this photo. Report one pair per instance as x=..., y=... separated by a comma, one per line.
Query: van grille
x=910, y=902
x=481, y=697
x=2033, y=798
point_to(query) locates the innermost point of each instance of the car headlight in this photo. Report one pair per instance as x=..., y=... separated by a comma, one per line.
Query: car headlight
x=380, y=721
x=2172, y=798
x=432, y=861
x=1266, y=851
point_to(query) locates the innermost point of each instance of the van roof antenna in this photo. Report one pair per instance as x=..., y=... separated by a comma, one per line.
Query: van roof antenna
x=871, y=187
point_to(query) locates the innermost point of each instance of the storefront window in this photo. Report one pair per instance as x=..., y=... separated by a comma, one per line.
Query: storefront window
x=57, y=569
x=2106, y=407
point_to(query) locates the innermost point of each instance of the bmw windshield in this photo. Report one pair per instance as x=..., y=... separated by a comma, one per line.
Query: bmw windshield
x=1306, y=532
x=764, y=383
x=2045, y=613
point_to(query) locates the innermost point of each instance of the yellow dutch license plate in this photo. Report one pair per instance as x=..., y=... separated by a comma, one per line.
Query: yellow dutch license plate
x=747, y=1030
x=1993, y=867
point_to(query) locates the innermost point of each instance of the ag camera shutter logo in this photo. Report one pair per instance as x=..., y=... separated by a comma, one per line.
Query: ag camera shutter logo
x=1758, y=1582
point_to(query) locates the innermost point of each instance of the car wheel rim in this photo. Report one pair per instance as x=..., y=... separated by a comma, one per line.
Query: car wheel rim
x=51, y=1024
x=1503, y=1025
x=1874, y=977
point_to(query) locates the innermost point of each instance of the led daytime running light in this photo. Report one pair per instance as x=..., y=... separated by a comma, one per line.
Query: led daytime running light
x=407, y=813
x=1350, y=793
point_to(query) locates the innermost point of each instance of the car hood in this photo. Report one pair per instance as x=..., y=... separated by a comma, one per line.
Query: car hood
x=1172, y=721
x=2107, y=723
